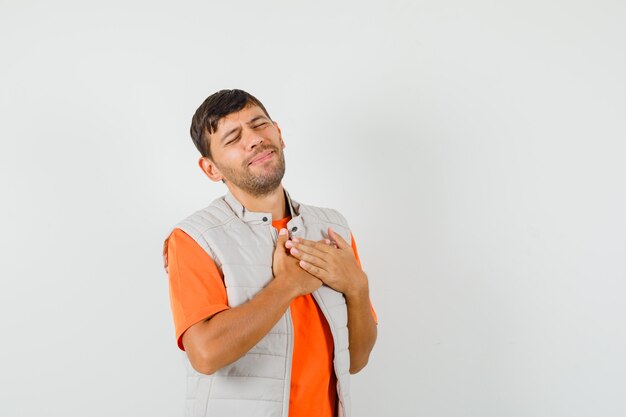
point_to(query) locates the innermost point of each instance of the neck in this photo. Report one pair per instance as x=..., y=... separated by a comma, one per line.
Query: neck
x=274, y=202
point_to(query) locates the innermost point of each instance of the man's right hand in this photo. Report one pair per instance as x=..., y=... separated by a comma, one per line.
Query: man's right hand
x=221, y=339
x=288, y=271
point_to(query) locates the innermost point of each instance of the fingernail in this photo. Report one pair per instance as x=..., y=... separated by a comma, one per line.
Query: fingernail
x=295, y=239
x=283, y=232
x=289, y=244
x=294, y=250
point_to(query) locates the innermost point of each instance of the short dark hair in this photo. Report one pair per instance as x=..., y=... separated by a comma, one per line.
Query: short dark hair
x=214, y=108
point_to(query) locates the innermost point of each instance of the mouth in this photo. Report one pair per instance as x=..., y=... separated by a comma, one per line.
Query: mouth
x=262, y=157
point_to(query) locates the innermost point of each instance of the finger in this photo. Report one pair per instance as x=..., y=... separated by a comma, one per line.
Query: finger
x=341, y=243
x=330, y=243
x=313, y=270
x=312, y=259
x=311, y=250
x=283, y=235
x=310, y=243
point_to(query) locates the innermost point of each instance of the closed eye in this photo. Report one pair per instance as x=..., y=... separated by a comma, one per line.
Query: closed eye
x=233, y=140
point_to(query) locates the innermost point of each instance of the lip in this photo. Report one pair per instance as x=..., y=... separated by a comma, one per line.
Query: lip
x=262, y=157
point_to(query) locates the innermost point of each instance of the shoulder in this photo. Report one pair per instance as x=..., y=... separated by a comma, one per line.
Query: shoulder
x=178, y=243
x=214, y=215
x=193, y=227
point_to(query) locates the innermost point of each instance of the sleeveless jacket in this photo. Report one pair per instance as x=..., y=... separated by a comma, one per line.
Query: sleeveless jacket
x=242, y=243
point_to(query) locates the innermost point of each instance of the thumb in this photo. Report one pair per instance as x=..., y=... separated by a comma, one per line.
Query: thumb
x=283, y=235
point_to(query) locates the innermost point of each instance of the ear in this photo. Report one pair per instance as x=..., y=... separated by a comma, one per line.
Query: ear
x=210, y=169
x=280, y=134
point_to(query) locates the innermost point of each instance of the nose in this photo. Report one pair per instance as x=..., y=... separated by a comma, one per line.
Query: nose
x=253, y=139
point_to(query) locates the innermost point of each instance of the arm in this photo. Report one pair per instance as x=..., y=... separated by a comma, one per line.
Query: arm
x=338, y=268
x=225, y=337
x=222, y=339
x=362, y=329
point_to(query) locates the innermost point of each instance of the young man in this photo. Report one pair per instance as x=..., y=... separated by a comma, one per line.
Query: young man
x=268, y=296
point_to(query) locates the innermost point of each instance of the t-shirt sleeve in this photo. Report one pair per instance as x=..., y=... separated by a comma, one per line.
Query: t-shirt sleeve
x=196, y=287
x=358, y=260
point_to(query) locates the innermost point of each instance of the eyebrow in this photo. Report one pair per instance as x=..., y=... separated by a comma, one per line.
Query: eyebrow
x=254, y=119
x=249, y=122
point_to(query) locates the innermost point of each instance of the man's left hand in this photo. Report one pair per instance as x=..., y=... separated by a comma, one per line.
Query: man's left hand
x=333, y=263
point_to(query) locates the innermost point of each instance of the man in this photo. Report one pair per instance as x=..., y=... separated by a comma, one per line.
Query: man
x=268, y=296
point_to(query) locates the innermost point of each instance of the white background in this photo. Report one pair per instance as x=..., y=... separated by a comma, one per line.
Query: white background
x=476, y=148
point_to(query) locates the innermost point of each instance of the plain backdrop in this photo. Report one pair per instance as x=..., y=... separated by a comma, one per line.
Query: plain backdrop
x=476, y=148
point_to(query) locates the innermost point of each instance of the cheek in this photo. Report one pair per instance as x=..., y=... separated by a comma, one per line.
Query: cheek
x=231, y=157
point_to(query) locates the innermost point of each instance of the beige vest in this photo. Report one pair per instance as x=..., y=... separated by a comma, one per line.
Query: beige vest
x=242, y=245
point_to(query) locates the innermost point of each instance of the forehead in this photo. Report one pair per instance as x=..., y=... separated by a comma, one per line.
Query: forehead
x=242, y=116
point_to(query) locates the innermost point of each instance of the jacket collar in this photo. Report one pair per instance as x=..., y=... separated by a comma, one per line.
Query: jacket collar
x=256, y=216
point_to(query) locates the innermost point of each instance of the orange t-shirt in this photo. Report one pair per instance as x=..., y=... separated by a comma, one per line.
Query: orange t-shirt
x=197, y=292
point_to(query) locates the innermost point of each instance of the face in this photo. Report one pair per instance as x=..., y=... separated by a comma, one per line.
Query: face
x=246, y=152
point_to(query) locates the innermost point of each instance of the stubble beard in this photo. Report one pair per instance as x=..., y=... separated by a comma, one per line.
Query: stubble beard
x=257, y=184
